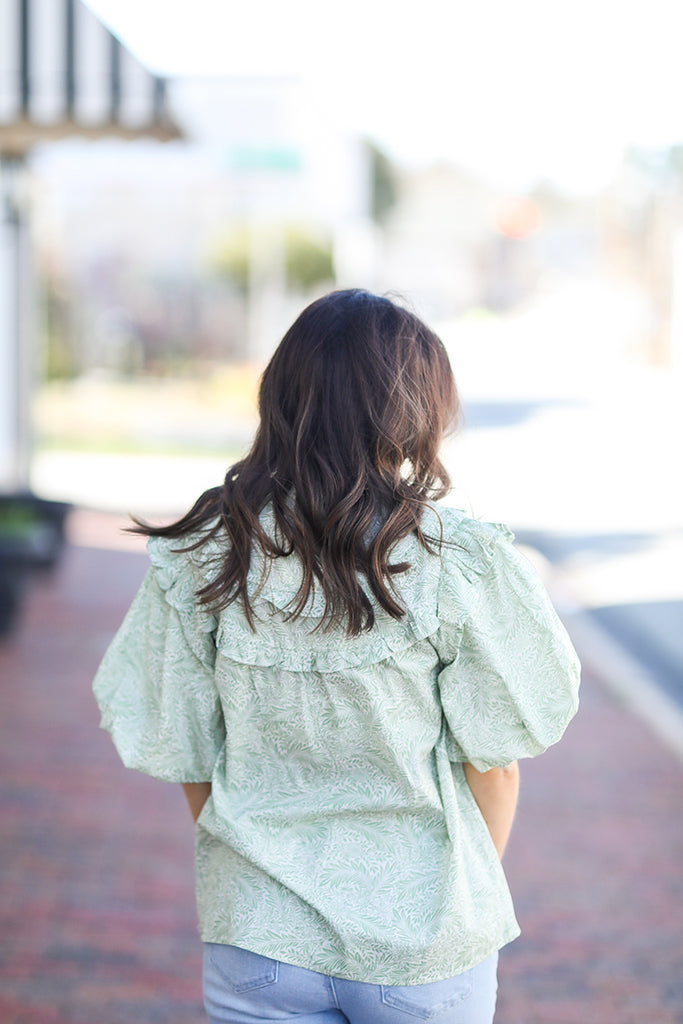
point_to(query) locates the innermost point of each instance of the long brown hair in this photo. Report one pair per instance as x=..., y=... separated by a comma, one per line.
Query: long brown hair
x=353, y=407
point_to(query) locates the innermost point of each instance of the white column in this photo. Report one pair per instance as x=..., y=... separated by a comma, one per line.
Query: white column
x=16, y=341
x=676, y=336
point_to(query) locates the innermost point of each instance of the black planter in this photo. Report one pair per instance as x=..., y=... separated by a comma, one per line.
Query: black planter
x=39, y=537
x=31, y=539
x=12, y=587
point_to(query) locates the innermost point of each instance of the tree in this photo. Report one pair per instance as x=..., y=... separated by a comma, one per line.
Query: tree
x=307, y=256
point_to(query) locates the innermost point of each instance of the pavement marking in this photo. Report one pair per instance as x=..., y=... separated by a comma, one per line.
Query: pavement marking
x=606, y=659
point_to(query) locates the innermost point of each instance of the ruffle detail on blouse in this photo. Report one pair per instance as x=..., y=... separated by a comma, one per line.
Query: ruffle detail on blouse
x=180, y=574
x=434, y=587
x=300, y=644
x=470, y=546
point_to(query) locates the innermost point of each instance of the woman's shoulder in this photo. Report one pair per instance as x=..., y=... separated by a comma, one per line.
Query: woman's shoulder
x=457, y=547
x=470, y=545
x=438, y=585
x=182, y=565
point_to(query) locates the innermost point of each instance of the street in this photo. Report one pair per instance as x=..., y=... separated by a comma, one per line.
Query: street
x=577, y=454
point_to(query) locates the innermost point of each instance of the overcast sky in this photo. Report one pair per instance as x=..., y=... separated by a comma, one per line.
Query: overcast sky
x=516, y=89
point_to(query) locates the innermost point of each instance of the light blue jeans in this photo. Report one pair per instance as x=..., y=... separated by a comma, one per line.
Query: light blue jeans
x=241, y=987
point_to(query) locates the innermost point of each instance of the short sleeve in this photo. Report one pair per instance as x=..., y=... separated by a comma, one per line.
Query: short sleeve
x=510, y=676
x=155, y=686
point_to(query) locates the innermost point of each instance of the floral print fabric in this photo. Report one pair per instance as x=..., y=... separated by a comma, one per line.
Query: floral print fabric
x=341, y=834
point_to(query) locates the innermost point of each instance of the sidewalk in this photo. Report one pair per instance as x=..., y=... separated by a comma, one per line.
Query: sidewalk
x=97, y=924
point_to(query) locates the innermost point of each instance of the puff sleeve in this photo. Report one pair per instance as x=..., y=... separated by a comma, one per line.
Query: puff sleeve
x=155, y=686
x=509, y=678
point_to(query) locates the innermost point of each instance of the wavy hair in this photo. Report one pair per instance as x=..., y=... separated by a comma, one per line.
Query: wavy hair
x=353, y=408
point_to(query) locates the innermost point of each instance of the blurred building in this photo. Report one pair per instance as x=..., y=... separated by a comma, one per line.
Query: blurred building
x=62, y=74
x=641, y=235
x=456, y=243
x=135, y=234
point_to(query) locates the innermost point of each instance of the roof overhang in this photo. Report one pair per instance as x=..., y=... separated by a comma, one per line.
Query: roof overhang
x=63, y=73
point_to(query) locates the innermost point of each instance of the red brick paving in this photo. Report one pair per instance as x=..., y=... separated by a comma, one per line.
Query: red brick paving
x=97, y=921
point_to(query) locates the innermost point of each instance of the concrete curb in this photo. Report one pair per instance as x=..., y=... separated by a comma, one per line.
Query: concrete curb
x=626, y=678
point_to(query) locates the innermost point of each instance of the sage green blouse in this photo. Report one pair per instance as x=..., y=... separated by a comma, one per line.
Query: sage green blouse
x=341, y=834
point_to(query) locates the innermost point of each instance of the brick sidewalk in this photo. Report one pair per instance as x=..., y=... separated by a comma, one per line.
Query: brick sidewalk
x=97, y=923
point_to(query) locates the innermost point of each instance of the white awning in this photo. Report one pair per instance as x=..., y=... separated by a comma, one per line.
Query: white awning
x=63, y=73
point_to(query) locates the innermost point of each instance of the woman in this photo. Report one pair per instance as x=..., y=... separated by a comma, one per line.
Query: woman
x=342, y=676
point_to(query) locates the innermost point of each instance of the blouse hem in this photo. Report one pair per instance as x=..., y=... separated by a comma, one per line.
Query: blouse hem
x=310, y=963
